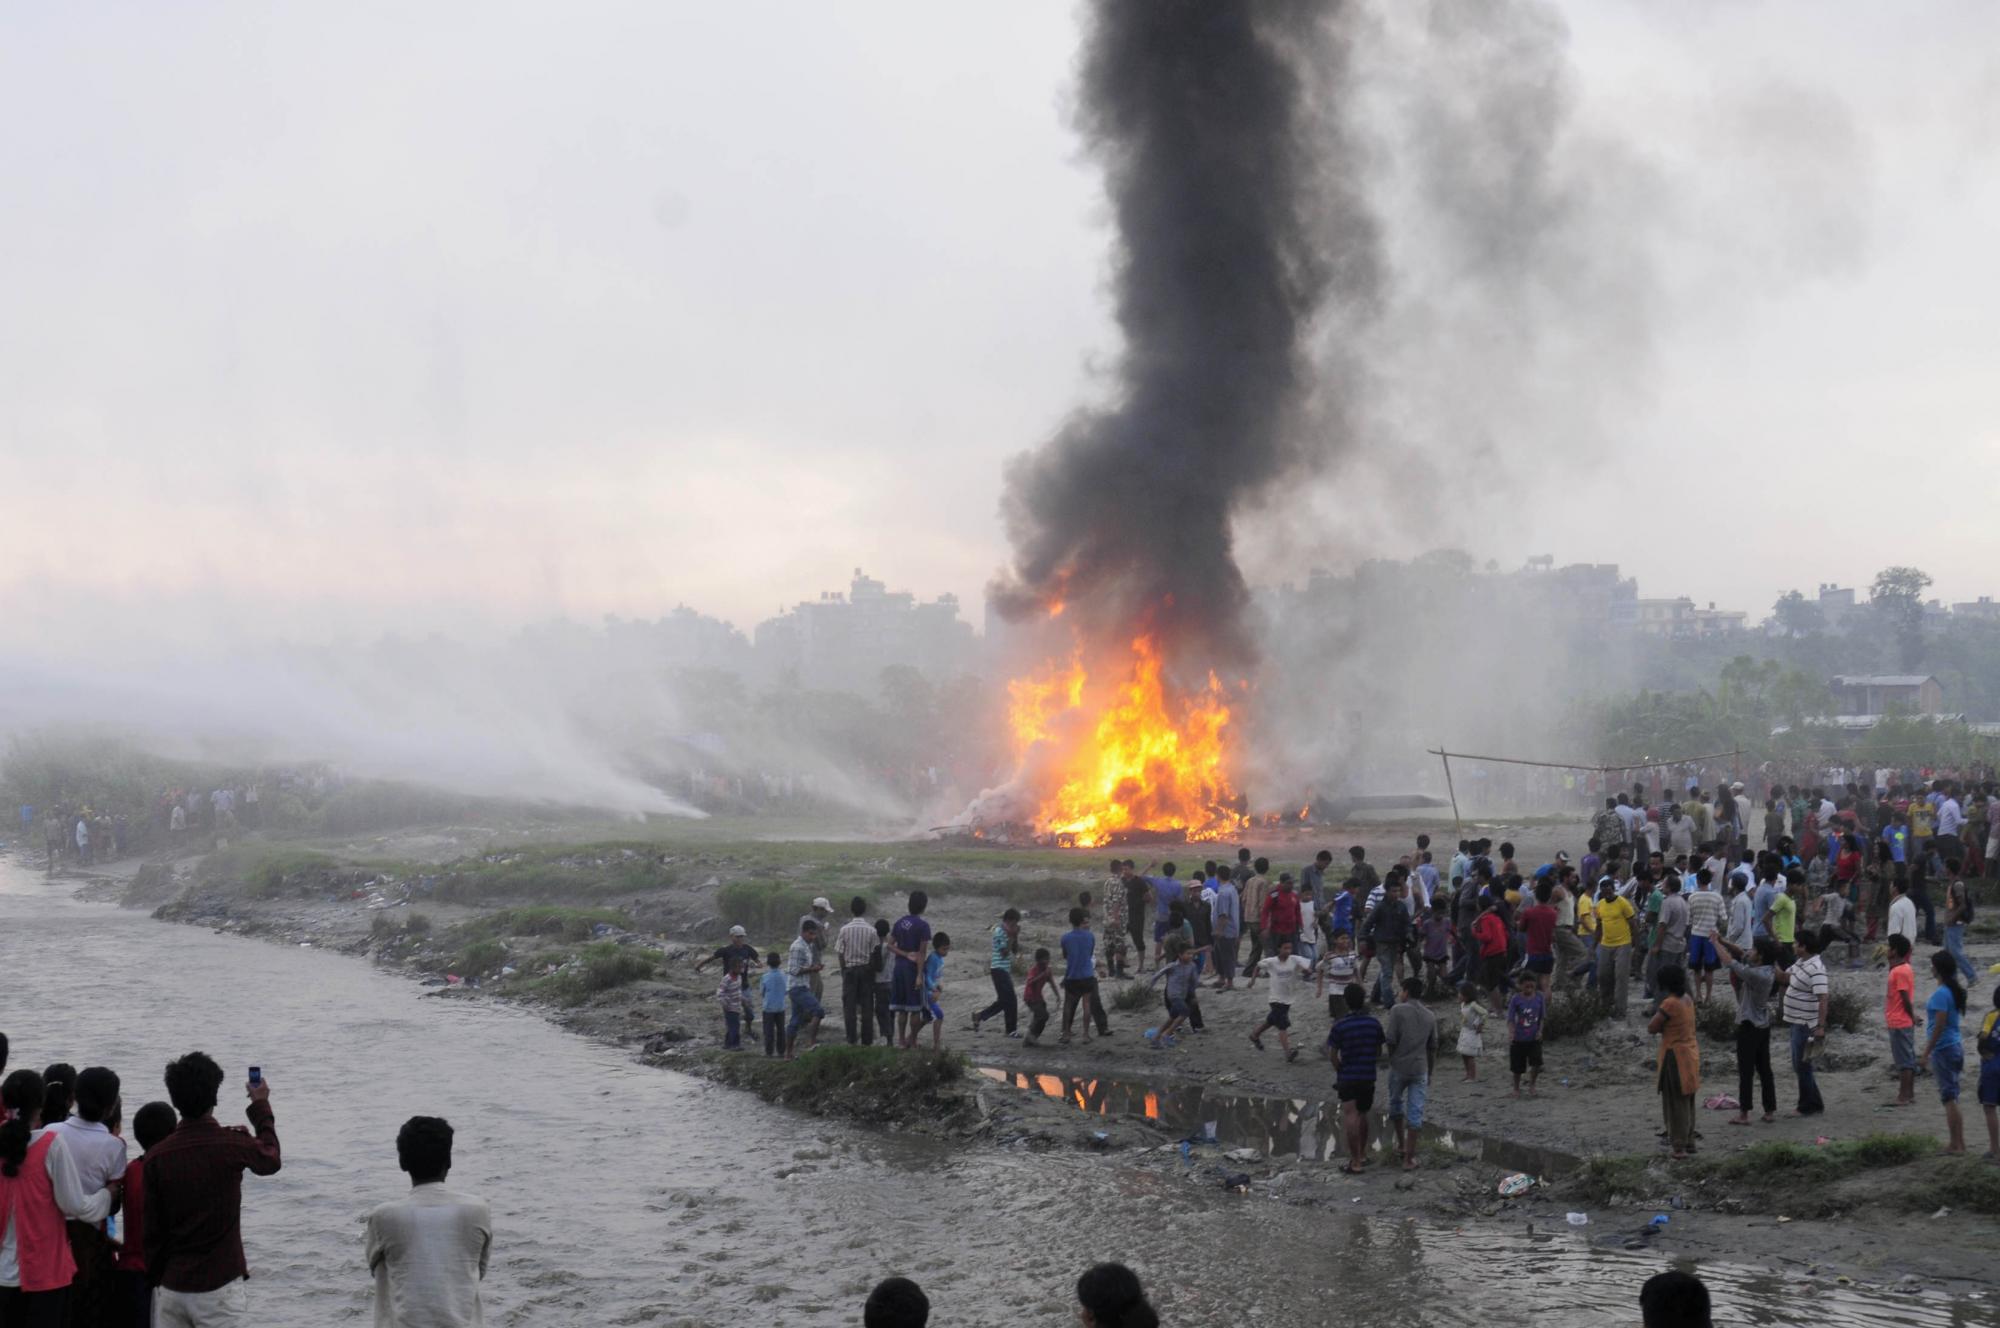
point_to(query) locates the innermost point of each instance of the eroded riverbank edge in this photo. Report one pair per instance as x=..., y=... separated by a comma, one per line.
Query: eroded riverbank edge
x=1853, y=1237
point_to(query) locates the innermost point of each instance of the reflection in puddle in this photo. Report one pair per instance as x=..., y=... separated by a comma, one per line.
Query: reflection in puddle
x=1275, y=1126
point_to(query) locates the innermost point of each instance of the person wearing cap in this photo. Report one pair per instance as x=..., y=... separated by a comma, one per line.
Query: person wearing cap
x=738, y=956
x=822, y=920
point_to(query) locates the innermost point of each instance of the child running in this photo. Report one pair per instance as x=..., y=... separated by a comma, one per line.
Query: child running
x=1040, y=977
x=1525, y=1010
x=1471, y=1029
x=1181, y=976
x=1287, y=972
x=1339, y=968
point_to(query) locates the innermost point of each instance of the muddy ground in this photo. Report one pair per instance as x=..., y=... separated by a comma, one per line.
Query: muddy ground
x=1595, y=1098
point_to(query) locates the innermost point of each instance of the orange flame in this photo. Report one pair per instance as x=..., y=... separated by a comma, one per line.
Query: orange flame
x=1130, y=754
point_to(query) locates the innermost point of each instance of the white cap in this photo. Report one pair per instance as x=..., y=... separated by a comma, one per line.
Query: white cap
x=821, y=902
x=738, y=931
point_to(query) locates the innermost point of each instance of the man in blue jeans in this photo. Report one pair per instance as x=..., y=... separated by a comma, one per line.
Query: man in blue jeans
x=1410, y=1039
x=1808, y=996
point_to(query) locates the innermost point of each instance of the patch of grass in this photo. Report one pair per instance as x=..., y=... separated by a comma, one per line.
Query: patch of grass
x=1846, y=1010
x=268, y=871
x=1603, y=1179
x=1136, y=996
x=1574, y=1013
x=382, y=926
x=418, y=924
x=555, y=873
x=767, y=908
x=1780, y=1162
x=1965, y=1186
x=600, y=967
x=570, y=924
x=480, y=958
x=1048, y=891
x=866, y=1083
x=1717, y=1020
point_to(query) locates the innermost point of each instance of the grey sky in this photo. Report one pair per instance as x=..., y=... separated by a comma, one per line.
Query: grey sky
x=352, y=316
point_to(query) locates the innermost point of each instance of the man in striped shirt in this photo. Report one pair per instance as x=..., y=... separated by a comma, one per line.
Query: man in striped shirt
x=1808, y=995
x=853, y=946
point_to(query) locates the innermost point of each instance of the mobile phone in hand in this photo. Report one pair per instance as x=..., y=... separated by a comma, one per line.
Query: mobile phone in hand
x=256, y=1076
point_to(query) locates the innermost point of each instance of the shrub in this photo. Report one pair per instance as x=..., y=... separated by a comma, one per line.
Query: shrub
x=1603, y=1179
x=1779, y=1161
x=607, y=964
x=1963, y=1187
x=1717, y=1020
x=1846, y=1010
x=381, y=927
x=571, y=924
x=555, y=872
x=418, y=924
x=767, y=908
x=1135, y=996
x=481, y=958
x=1574, y=1012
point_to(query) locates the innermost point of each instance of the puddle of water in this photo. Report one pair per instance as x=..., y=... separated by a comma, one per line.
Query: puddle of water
x=1306, y=1128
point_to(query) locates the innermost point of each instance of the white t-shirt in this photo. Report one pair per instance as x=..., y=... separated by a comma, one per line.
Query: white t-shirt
x=428, y=1253
x=1903, y=918
x=1287, y=977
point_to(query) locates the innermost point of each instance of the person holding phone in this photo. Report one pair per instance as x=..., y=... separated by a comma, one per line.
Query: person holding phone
x=194, y=1198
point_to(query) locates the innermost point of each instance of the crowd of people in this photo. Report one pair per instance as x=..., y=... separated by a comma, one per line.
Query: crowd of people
x=80, y=834
x=94, y=1237
x=1679, y=901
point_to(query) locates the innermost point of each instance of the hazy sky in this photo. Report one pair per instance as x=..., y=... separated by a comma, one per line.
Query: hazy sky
x=343, y=316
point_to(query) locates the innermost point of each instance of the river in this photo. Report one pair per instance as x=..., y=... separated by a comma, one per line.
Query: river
x=627, y=1195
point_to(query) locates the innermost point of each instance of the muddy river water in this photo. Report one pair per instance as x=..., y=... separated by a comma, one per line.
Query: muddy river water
x=626, y=1195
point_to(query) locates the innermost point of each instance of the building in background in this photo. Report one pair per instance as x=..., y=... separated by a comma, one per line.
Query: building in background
x=1878, y=693
x=842, y=642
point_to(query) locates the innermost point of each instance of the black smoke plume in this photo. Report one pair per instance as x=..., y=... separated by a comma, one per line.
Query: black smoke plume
x=1217, y=123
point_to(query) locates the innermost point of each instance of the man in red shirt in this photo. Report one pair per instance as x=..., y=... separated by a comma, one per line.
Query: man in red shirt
x=194, y=1200
x=154, y=1122
x=1280, y=921
x=1489, y=933
x=1538, y=921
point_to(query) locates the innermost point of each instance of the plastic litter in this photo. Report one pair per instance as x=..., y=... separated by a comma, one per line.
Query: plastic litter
x=1659, y=1220
x=1579, y=1219
x=1942, y=1212
x=1237, y=1181
x=1723, y=1102
x=1518, y=1183
x=1244, y=1155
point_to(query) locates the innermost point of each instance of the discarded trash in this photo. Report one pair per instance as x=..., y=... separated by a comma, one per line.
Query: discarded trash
x=1187, y=1152
x=1822, y=1141
x=1659, y=1220
x=1676, y=1203
x=1244, y=1155
x=1723, y=1102
x=1942, y=1212
x=1518, y=1183
x=1228, y=1078
x=1565, y=1083
x=1238, y=1181
x=1784, y=1219
x=1579, y=1219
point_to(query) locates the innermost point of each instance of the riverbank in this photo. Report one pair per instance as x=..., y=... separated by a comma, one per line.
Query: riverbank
x=662, y=904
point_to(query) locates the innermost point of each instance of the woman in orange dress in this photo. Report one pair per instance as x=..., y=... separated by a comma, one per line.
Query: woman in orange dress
x=1680, y=1058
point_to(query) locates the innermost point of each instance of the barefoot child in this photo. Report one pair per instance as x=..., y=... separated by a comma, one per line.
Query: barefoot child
x=1437, y=947
x=730, y=996
x=1039, y=977
x=933, y=984
x=1899, y=1013
x=1525, y=1010
x=1287, y=972
x=1471, y=1029
x=1355, y=1047
x=1181, y=976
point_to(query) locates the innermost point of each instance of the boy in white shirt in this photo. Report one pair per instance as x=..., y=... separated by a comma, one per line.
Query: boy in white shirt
x=1287, y=972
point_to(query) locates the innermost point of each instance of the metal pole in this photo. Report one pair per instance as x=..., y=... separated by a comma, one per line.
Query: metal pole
x=1458, y=826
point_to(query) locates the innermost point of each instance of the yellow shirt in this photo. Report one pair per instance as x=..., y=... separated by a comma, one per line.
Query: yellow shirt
x=1586, y=915
x=1615, y=916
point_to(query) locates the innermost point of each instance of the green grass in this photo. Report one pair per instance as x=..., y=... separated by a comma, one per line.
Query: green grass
x=1965, y=1185
x=1603, y=1178
x=875, y=1084
x=1574, y=1012
x=1846, y=1010
x=1716, y=1019
x=1136, y=996
x=1780, y=1162
x=767, y=908
x=479, y=958
x=271, y=871
x=569, y=924
x=554, y=873
x=601, y=967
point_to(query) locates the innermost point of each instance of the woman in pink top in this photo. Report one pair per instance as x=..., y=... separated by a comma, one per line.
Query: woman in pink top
x=38, y=1190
